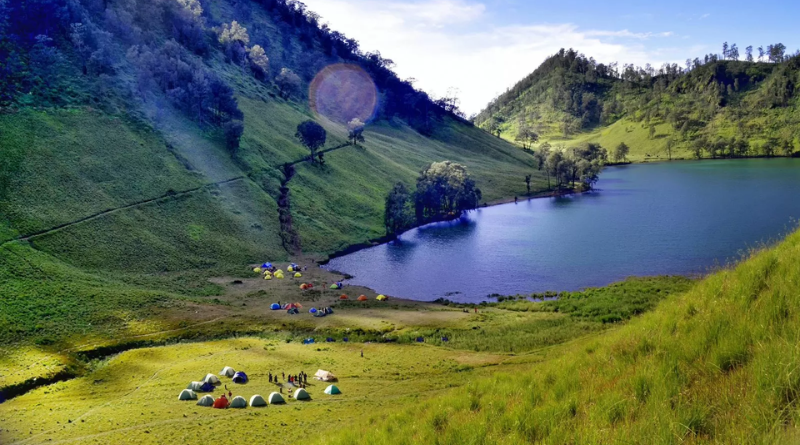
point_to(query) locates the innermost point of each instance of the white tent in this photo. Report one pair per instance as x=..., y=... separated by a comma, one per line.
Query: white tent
x=275, y=398
x=206, y=400
x=301, y=394
x=238, y=402
x=195, y=386
x=325, y=376
x=227, y=372
x=187, y=394
x=211, y=378
x=257, y=400
x=332, y=390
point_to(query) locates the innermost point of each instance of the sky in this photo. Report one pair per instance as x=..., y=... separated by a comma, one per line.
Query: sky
x=479, y=48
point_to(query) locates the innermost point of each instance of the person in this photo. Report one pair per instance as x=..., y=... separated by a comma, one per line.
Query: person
x=515, y=200
x=270, y=377
x=476, y=309
x=283, y=375
x=362, y=353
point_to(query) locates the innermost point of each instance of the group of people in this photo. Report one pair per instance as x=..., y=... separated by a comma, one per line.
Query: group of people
x=300, y=380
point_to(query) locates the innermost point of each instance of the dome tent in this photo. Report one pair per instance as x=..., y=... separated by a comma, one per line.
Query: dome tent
x=275, y=399
x=257, y=269
x=221, y=402
x=195, y=386
x=207, y=387
x=332, y=390
x=238, y=402
x=240, y=378
x=275, y=306
x=257, y=400
x=298, y=275
x=381, y=297
x=362, y=298
x=267, y=277
x=206, y=400
x=227, y=371
x=212, y=379
x=266, y=266
x=301, y=394
x=343, y=297
x=187, y=394
x=313, y=310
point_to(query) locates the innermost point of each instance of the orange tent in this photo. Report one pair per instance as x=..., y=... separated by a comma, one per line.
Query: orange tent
x=362, y=298
x=343, y=297
x=221, y=403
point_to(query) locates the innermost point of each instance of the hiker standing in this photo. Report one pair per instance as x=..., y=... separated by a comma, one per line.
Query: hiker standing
x=362, y=353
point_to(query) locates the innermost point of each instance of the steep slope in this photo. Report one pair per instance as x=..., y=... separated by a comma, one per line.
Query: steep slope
x=144, y=140
x=715, y=365
x=723, y=108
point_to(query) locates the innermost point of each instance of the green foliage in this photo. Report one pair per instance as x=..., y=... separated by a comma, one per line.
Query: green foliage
x=398, y=214
x=312, y=136
x=444, y=189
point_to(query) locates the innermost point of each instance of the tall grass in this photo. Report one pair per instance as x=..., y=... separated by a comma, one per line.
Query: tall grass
x=718, y=364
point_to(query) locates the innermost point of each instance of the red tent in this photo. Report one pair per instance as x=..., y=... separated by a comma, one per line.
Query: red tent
x=362, y=298
x=221, y=402
x=343, y=297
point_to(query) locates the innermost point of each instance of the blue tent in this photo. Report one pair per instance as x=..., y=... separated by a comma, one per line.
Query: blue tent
x=275, y=306
x=266, y=266
x=308, y=341
x=345, y=339
x=240, y=377
x=313, y=310
x=207, y=387
x=330, y=340
x=420, y=340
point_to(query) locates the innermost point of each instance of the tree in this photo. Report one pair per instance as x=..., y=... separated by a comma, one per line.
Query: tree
x=355, y=131
x=259, y=61
x=776, y=52
x=733, y=52
x=444, y=189
x=670, y=143
x=621, y=152
x=541, y=156
x=234, y=40
x=760, y=53
x=233, y=131
x=725, y=50
x=288, y=83
x=553, y=167
x=528, y=183
x=527, y=137
x=397, y=214
x=312, y=136
x=749, y=53
x=651, y=132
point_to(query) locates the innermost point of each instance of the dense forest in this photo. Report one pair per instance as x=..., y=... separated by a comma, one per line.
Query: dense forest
x=718, y=106
x=111, y=54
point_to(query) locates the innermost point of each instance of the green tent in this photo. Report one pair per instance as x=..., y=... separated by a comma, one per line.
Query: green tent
x=332, y=390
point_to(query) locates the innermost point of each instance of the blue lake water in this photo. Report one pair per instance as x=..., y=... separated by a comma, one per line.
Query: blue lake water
x=655, y=219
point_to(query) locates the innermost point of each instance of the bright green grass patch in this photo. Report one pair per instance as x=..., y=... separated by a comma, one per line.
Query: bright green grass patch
x=715, y=365
x=133, y=397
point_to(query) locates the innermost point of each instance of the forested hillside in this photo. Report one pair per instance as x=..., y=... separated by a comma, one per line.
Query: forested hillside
x=716, y=107
x=160, y=138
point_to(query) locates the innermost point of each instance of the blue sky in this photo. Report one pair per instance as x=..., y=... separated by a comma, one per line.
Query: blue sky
x=479, y=48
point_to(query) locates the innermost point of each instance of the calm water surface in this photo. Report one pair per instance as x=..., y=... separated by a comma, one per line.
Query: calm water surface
x=670, y=218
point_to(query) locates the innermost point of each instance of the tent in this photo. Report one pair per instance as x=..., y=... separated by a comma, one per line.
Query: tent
x=295, y=266
x=267, y=277
x=343, y=297
x=187, y=394
x=293, y=306
x=257, y=400
x=275, y=399
x=266, y=266
x=332, y=390
x=325, y=376
x=290, y=269
x=301, y=394
x=195, y=386
x=313, y=310
x=240, y=378
x=257, y=269
x=207, y=387
x=275, y=306
x=221, y=402
x=238, y=402
x=381, y=298
x=298, y=275
x=212, y=379
x=362, y=298
x=279, y=276
x=227, y=371
x=206, y=400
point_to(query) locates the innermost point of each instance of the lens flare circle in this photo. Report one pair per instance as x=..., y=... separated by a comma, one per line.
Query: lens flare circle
x=343, y=92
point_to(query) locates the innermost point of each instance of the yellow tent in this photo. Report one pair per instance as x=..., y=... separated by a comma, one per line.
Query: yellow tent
x=267, y=277
x=279, y=276
x=257, y=269
x=290, y=269
x=382, y=297
x=298, y=275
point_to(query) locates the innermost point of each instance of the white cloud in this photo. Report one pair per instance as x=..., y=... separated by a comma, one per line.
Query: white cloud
x=431, y=42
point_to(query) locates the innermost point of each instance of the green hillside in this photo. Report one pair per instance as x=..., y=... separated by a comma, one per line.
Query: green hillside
x=122, y=160
x=715, y=365
x=720, y=108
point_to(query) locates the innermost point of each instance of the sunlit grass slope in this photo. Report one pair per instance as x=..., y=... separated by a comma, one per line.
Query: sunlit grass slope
x=719, y=364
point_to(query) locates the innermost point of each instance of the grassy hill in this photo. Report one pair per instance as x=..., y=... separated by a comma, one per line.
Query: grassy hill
x=715, y=365
x=721, y=108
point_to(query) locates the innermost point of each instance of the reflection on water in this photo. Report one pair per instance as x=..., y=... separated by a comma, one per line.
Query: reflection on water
x=671, y=218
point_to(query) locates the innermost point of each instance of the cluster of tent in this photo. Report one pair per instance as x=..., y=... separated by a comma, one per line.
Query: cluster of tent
x=337, y=285
x=306, y=286
x=222, y=402
x=267, y=270
x=364, y=297
x=320, y=312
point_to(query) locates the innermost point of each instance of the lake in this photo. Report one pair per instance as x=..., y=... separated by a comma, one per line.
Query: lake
x=674, y=218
